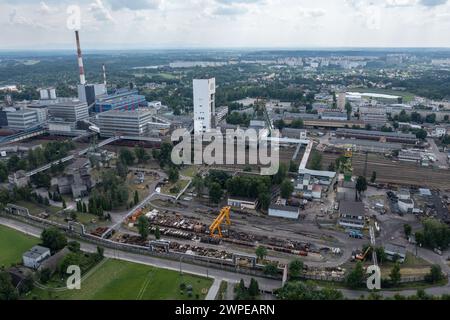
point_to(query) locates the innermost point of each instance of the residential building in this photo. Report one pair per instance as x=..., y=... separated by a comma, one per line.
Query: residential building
x=351, y=214
x=204, y=104
x=341, y=100
x=35, y=256
x=287, y=212
x=69, y=110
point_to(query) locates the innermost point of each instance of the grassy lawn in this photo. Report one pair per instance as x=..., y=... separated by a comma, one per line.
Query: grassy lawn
x=181, y=184
x=35, y=208
x=413, y=266
x=13, y=244
x=141, y=188
x=120, y=280
x=189, y=172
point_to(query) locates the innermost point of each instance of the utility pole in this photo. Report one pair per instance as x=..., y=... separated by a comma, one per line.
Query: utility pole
x=365, y=164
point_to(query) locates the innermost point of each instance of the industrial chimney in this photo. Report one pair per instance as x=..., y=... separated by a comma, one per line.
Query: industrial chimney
x=104, y=75
x=80, y=59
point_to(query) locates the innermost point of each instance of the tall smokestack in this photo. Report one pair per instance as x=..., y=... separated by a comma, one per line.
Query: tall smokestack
x=80, y=59
x=104, y=75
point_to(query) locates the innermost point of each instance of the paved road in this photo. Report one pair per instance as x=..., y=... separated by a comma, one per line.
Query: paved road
x=219, y=275
x=264, y=283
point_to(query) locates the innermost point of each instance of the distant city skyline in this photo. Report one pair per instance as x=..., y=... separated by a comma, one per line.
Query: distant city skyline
x=146, y=24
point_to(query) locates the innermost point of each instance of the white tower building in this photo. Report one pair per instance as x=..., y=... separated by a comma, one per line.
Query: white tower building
x=204, y=104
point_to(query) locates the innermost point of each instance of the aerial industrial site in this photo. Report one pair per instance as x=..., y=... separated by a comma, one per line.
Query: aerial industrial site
x=242, y=174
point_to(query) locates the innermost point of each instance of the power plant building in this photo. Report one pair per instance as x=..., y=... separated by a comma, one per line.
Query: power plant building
x=121, y=100
x=70, y=110
x=126, y=123
x=25, y=118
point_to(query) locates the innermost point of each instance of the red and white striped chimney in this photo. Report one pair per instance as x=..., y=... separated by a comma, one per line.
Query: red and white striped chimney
x=80, y=59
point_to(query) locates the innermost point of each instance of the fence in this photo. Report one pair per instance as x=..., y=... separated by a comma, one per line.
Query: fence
x=208, y=262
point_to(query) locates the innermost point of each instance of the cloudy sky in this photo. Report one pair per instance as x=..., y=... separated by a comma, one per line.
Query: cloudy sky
x=34, y=24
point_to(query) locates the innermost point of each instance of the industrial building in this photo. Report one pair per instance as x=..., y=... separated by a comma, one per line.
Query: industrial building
x=128, y=123
x=405, y=138
x=374, y=118
x=69, y=110
x=123, y=99
x=366, y=145
x=243, y=203
x=204, y=104
x=287, y=212
x=351, y=214
x=35, y=256
x=25, y=118
x=335, y=116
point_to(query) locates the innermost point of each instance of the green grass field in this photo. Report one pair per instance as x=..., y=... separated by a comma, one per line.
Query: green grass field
x=13, y=244
x=407, y=96
x=120, y=280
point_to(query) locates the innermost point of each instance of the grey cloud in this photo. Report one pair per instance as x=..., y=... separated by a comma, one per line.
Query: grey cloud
x=134, y=5
x=433, y=3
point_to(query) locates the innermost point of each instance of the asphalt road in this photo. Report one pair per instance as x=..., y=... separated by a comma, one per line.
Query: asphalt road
x=219, y=275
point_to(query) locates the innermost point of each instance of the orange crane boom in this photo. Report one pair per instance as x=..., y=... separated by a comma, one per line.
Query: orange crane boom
x=215, y=226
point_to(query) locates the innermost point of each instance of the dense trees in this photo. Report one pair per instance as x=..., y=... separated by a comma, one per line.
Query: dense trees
x=163, y=156
x=261, y=252
x=356, y=276
x=299, y=290
x=361, y=187
x=236, y=118
x=126, y=157
x=215, y=192
x=316, y=161
x=244, y=293
x=435, y=234
x=53, y=239
x=143, y=227
x=141, y=155
x=7, y=290
x=295, y=268
x=395, y=275
x=111, y=193
x=435, y=274
x=287, y=188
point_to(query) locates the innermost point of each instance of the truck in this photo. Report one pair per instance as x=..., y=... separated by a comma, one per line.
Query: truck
x=356, y=234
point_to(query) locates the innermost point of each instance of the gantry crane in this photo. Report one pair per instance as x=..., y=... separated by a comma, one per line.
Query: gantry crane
x=215, y=226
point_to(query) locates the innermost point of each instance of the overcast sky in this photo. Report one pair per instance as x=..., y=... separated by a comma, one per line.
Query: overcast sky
x=34, y=24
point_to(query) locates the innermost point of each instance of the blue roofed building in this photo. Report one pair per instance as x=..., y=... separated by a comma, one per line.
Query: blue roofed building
x=122, y=99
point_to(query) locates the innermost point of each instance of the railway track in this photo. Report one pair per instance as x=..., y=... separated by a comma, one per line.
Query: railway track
x=396, y=172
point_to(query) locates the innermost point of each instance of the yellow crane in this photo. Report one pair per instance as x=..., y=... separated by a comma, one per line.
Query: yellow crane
x=215, y=226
